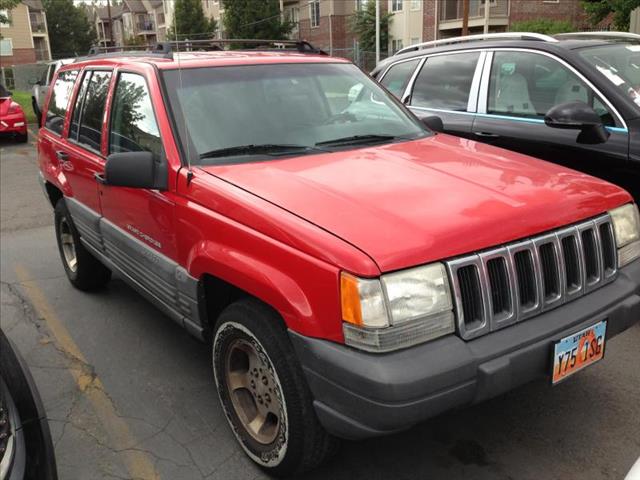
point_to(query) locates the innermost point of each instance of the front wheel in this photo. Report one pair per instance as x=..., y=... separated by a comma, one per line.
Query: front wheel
x=263, y=391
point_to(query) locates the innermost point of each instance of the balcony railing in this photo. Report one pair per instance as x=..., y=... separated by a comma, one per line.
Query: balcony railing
x=146, y=26
x=452, y=10
x=37, y=23
x=42, y=55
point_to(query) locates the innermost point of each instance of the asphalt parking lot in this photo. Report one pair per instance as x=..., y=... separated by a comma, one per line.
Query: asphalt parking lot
x=129, y=394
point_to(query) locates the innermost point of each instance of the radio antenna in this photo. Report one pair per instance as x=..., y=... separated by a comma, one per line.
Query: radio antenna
x=184, y=116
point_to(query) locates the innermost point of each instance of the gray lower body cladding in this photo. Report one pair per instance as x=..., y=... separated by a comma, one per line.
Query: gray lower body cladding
x=157, y=277
x=359, y=395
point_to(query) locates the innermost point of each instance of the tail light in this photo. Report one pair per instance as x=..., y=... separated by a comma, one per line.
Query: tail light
x=14, y=108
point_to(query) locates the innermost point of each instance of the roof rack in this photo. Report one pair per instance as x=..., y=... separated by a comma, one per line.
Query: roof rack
x=166, y=49
x=599, y=36
x=482, y=36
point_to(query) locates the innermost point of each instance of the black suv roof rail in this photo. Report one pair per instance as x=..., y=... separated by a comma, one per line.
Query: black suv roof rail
x=166, y=49
x=606, y=35
x=483, y=36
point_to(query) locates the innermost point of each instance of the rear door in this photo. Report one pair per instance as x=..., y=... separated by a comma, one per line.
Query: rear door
x=446, y=85
x=517, y=89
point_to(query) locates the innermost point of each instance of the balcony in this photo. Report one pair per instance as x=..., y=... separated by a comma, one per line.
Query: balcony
x=145, y=24
x=38, y=24
x=42, y=55
x=451, y=10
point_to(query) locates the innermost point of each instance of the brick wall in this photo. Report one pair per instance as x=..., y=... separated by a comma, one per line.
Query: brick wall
x=428, y=21
x=20, y=57
x=569, y=10
x=319, y=36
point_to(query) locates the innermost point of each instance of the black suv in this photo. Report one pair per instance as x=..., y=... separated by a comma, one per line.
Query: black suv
x=572, y=99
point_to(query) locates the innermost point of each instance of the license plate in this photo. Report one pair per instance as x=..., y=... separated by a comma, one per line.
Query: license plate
x=578, y=350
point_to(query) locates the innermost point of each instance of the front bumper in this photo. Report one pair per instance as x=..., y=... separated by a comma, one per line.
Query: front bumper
x=359, y=395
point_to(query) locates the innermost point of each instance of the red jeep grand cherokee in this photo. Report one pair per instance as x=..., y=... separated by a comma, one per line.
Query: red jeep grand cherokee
x=355, y=273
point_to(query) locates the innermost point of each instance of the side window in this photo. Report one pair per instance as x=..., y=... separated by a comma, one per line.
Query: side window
x=529, y=84
x=133, y=124
x=445, y=82
x=59, y=101
x=90, y=132
x=77, y=108
x=398, y=76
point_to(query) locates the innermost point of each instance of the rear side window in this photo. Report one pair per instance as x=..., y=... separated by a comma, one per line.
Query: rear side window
x=445, y=82
x=398, y=76
x=90, y=132
x=77, y=109
x=59, y=102
x=133, y=124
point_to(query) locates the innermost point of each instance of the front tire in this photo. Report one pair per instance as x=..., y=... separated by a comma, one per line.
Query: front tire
x=84, y=271
x=263, y=391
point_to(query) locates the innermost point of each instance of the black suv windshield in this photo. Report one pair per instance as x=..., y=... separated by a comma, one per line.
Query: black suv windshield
x=620, y=64
x=259, y=112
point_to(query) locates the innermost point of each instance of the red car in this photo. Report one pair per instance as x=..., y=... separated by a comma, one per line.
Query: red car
x=13, y=122
x=354, y=272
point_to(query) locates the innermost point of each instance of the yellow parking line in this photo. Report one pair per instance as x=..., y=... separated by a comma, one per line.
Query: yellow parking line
x=138, y=463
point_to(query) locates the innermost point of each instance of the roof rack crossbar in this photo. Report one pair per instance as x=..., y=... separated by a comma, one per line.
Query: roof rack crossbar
x=482, y=36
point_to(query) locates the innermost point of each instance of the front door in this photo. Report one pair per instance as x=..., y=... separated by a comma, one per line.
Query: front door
x=521, y=88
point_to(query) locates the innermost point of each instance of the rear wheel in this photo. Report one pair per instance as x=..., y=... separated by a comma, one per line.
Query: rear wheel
x=263, y=391
x=84, y=271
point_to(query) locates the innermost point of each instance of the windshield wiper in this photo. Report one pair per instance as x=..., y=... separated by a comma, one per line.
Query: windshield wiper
x=357, y=139
x=266, y=149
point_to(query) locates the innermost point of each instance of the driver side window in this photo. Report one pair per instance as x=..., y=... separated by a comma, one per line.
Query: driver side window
x=529, y=84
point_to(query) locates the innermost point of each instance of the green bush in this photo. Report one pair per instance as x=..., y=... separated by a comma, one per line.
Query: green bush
x=543, y=25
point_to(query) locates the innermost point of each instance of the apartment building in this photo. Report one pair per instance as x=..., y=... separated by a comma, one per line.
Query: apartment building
x=133, y=22
x=25, y=38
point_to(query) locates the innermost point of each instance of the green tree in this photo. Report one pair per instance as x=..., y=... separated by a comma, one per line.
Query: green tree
x=363, y=26
x=7, y=5
x=190, y=21
x=70, y=31
x=598, y=10
x=255, y=19
x=543, y=25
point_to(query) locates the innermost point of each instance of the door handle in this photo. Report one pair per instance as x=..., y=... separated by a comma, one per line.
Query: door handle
x=486, y=135
x=100, y=178
x=62, y=156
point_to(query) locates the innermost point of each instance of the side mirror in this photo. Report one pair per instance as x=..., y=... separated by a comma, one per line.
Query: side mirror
x=578, y=116
x=135, y=170
x=433, y=123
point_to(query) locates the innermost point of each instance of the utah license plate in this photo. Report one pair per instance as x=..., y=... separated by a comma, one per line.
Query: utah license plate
x=578, y=350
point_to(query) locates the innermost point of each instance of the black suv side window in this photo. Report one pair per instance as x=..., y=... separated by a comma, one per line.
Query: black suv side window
x=90, y=132
x=528, y=84
x=59, y=101
x=445, y=82
x=398, y=76
x=133, y=124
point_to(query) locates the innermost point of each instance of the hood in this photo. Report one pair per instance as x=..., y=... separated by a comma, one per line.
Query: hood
x=411, y=203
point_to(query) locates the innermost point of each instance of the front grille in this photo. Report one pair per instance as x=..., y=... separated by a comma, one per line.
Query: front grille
x=502, y=286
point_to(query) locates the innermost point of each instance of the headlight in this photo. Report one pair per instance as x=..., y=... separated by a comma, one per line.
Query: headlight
x=626, y=225
x=399, y=310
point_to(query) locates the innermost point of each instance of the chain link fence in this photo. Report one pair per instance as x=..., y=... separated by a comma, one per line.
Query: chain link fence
x=21, y=77
x=364, y=59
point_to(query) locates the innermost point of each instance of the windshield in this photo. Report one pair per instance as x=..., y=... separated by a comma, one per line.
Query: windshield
x=620, y=64
x=260, y=112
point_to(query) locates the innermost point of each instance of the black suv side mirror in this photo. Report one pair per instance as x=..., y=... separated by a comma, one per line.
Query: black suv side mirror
x=578, y=116
x=136, y=170
x=433, y=123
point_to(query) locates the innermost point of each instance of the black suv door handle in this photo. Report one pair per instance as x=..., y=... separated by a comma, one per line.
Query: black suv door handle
x=62, y=156
x=486, y=135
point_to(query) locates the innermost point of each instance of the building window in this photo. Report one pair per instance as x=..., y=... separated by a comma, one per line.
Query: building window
x=396, y=5
x=6, y=18
x=396, y=45
x=6, y=47
x=314, y=12
x=360, y=4
x=415, y=40
x=416, y=4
